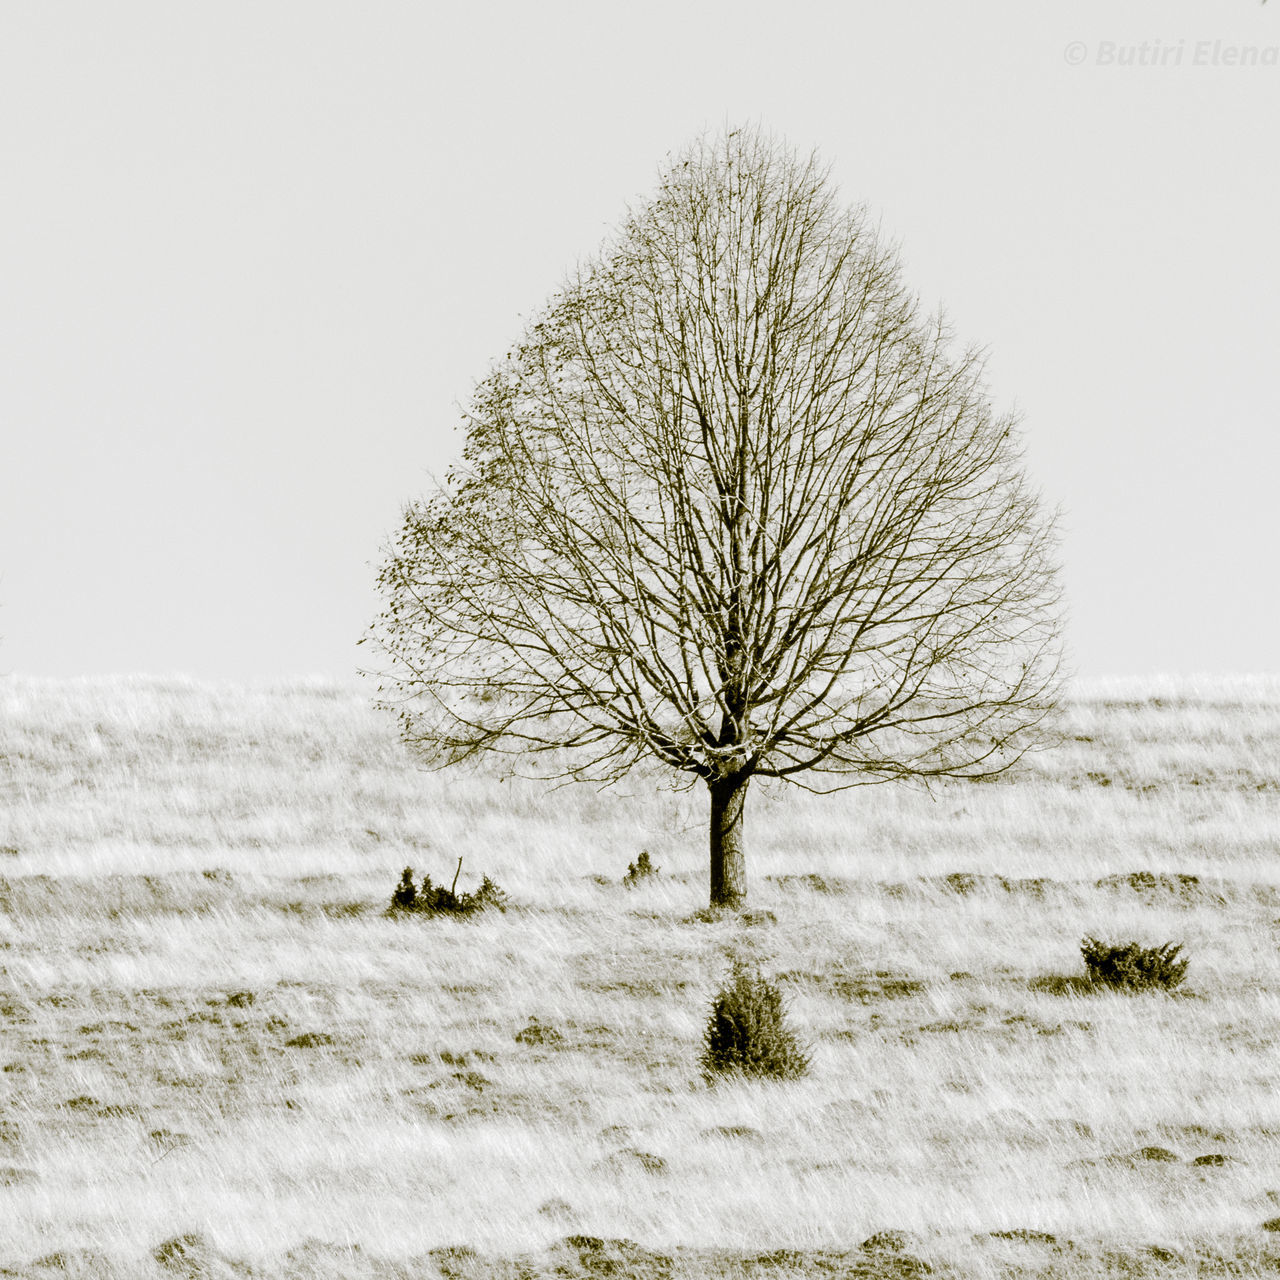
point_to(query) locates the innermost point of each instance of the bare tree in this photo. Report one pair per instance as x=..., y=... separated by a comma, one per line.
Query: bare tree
x=735, y=506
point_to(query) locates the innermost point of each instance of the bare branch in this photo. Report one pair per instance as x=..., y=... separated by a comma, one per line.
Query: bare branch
x=734, y=505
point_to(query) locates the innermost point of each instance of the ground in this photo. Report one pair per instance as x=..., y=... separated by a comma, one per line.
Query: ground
x=221, y=1057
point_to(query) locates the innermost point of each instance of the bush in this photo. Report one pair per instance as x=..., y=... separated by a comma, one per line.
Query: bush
x=1127, y=966
x=746, y=1032
x=641, y=869
x=432, y=899
x=405, y=896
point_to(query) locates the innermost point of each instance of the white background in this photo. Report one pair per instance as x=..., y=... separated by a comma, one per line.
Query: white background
x=254, y=255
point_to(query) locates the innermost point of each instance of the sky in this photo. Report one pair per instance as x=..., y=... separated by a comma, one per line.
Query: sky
x=255, y=256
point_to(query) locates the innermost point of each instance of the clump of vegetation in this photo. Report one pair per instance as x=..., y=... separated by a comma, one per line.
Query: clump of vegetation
x=1128, y=966
x=641, y=869
x=433, y=899
x=405, y=896
x=747, y=1033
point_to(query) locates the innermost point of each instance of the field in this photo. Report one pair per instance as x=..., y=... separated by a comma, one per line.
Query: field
x=221, y=1058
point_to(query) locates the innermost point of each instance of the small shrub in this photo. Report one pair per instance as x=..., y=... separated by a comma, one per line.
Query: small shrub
x=1128, y=966
x=488, y=895
x=746, y=1032
x=405, y=896
x=641, y=869
x=433, y=899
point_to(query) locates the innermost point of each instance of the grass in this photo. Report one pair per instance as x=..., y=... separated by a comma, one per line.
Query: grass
x=219, y=1055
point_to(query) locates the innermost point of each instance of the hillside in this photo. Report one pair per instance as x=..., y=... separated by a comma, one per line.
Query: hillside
x=219, y=1053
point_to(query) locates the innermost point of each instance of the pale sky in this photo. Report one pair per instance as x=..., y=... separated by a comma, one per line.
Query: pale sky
x=254, y=255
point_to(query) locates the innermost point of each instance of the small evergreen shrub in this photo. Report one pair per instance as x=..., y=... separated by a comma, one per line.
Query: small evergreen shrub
x=1128, y=966
x=405, y=896
x=641, y=869
x=746, y=1032
x=434, y=899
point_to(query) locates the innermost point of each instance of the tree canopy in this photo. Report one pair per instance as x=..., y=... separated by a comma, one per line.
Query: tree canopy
x=735, y=505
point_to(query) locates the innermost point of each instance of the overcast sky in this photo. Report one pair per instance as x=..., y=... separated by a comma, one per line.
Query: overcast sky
x=254, y=255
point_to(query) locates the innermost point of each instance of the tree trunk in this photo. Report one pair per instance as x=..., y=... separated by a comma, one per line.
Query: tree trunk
x=728, y=857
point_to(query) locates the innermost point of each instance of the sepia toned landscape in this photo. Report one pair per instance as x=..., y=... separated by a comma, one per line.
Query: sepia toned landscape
x=583, y=600
x=222, y=1057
